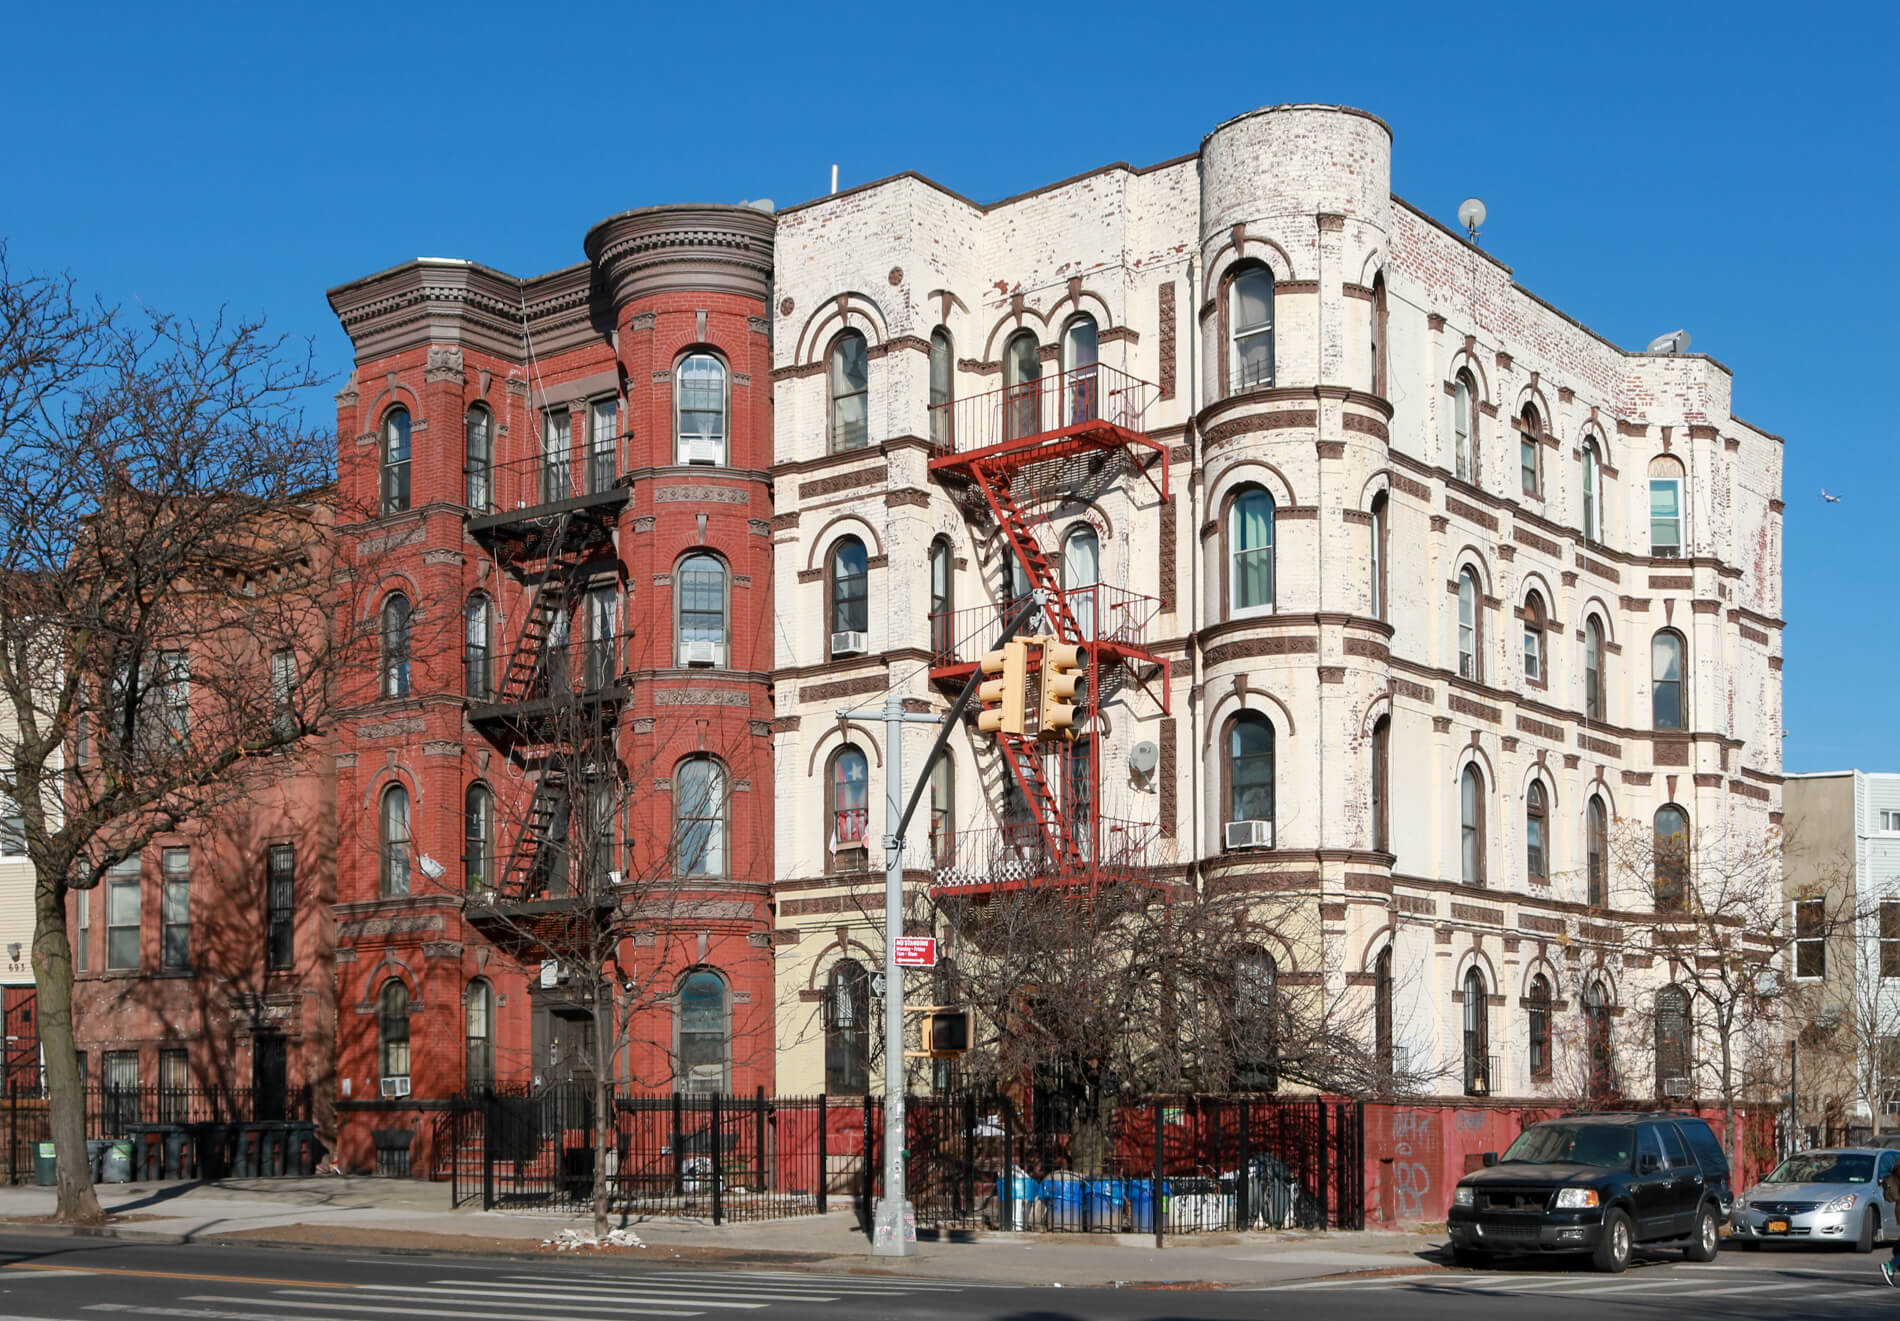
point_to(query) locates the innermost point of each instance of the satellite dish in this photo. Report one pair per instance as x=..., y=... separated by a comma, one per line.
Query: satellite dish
x=1676, y=341
x=1471, y=215
x=1143, y=757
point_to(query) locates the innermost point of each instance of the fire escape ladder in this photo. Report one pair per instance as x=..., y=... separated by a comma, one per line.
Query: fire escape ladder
x=1052, y=823
x=529, y=661
x=529, y=867
x=1018, y=529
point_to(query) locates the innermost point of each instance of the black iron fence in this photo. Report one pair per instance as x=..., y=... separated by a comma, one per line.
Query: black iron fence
x=1170, y=1166
x=168, y=1132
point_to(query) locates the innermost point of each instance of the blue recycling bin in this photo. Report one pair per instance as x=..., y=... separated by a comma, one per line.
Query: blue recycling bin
x=1141, y=1204
x=1108, y=1199
x=1068, y=1202
x=1023, y=1193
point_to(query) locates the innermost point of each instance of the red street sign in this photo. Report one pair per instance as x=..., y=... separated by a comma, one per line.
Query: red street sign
x=916, y=951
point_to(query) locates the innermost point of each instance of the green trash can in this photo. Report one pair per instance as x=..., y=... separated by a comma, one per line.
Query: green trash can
x=45, y=1165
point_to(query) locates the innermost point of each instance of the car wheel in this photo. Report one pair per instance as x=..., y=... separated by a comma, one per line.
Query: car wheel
x=1706, y=1242
x=1613, y=1249
x=1869, y=1232
x=1463, y=1256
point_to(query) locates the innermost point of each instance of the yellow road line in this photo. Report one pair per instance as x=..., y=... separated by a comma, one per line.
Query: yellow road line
x=175, y=1275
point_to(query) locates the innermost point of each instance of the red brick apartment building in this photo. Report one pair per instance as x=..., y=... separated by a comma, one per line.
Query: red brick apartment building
x=572, y=624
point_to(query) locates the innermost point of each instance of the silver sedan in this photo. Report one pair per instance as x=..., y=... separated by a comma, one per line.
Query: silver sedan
x=1830, y=1196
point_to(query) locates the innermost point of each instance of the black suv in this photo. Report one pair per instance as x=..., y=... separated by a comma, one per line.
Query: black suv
x=1599, y=1184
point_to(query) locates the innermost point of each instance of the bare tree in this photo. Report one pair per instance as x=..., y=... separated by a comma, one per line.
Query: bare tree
x=1721, y=951
x=165, y=594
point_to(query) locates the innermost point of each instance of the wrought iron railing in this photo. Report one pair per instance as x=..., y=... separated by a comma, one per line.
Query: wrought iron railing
x=1102, y=613
x=547, y=478
x=1061, y=401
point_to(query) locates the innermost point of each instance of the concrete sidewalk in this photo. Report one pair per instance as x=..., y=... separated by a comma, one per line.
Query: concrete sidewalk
x=413, y=1216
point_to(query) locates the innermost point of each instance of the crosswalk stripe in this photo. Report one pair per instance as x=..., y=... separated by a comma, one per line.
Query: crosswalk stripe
x=1752, y=1288
x=1641, y=1286
x=484, y=1293
x=1374, y=1282
x=879, y=1280
x=202, y=1313
x=463, y=1314
x=744, y=1289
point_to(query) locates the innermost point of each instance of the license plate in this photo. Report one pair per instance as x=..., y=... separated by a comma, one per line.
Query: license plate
x=1775, y=1227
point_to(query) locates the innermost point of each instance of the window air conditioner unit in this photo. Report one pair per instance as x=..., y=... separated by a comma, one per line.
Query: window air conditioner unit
x=850, y=643
x=394, y=1087
x=1675, y=1087
x=700, y=449
x=705, y=653
x=1250, y=834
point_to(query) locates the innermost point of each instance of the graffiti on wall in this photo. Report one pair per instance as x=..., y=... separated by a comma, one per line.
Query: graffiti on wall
x=1415, y=1151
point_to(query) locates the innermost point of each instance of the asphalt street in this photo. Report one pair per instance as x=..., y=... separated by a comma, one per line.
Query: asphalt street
x=45, y=1277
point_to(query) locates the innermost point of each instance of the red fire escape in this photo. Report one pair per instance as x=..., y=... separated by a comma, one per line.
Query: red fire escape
x=1014, y=455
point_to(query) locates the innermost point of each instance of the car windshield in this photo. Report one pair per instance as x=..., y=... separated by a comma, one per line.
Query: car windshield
x=1573, y=1144
x=1824, y=1167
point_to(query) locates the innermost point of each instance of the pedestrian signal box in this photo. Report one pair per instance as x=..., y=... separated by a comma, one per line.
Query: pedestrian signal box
x=946, y=1033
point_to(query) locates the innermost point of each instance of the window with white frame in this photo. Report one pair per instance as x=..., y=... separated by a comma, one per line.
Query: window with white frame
x=1810, y=939
x=1470, y=628
x=1464, y=434
x=1665, y=507
x=1250, y=328
x=699, y=393
x=1250, y=520
x=174, y=951
x=12, y=829
x=1890, y=822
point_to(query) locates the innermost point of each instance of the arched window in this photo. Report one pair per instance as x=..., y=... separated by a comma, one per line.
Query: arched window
x=1477, y=1035
x=1249, y=770
x=943, y=806
x=848, y=375
x=1256, y=1021
x=1665, y=681
x=1250, y=518
x=478, y=838
x=943, y=387
x=1593, y=704
x=1378, y=334
x=1471, y=826
x=397, y=650
x=942, y=598
x=393, y=841
x=1250, y=328
x=1599, y=1061
x=478, y=648
x=1665, y=507
x=1673, y=1034
x=1537, y=1025
x=848, y=569
x=702, y=610
x=1530, y=452
x=705, y=1057
x=699, y=817
x=1536, y=824
x=1464, y=430
x=1597, y=854
x=1382, y=785
x=1470, y=628
x=395, y=460
x=1592, y=492
x=1672, y=859
x=848, y=1029
x=392, y=1029
x=847, y=809
x=1022, y=386
x=478, y=459
x=1382, y=1017
x=1534, y=624
x=1380, y=506
x=1080, y=379
x=478, y=1029
x=1081, y=571
x=699, y=408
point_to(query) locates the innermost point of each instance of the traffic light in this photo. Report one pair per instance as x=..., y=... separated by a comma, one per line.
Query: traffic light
x=1062, y=680
x=946, y=1033
x=1004, y=696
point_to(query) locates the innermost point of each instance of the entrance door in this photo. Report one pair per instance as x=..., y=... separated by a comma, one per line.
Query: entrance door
x=270, y=1076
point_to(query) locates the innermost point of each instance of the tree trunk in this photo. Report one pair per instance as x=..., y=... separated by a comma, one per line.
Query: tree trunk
x=66, y=1105
x=604, y=1127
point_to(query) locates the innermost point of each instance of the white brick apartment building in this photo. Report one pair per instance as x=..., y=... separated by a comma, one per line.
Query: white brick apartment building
x=1446, y=584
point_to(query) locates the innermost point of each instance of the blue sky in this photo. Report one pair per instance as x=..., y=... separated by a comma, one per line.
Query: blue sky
x=1725, y=168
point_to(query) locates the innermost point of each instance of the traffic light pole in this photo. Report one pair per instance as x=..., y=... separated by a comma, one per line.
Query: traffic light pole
x=893, y=1223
